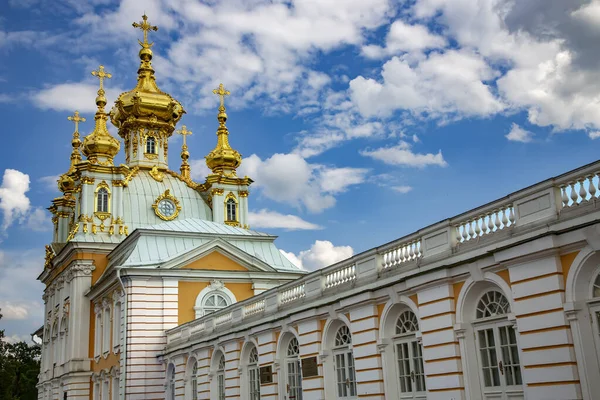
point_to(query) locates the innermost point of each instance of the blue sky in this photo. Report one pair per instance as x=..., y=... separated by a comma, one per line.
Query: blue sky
x=359, y=121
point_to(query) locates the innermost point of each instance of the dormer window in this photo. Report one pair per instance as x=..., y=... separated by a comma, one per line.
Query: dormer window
x=102, y=200
x=151, y=145
x=231, y=210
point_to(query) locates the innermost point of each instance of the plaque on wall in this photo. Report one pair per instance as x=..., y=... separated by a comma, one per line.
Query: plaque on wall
x=310, y=367
x=266, y=375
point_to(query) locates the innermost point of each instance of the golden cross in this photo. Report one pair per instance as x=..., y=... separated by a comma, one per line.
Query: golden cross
x=101, y=74
x=145, y=26
x=76, y=120
x=184, y=132
x=221, y=92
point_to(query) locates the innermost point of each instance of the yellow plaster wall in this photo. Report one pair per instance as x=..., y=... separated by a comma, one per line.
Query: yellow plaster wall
x=504, y=275
x=217, y=262
x=188, y=291
x=566, y=260
x=112, y=360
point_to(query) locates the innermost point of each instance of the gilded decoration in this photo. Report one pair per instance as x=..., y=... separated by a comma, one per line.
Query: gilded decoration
x=49, y=256
x=98, y=211
x=146, y=105
x=73, y=232
x=185, y=154
x=99, y=146
x=87, y=180
x=156, y=174
x=166, y=206
x=133, y=172
x=217, y=192
x=244, y=193
x=135, y=144
x=151, y=156
x=223, y=159
x=117, y=183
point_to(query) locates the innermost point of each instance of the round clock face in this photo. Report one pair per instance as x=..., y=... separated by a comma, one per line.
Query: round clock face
x=166, y=207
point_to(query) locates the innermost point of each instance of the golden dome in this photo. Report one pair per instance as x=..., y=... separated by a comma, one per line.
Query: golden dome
x=146, y=103
x=223, y=158
x=99, y=146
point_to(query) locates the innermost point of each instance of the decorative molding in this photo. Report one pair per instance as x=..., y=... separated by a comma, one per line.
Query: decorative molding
x=169, y=197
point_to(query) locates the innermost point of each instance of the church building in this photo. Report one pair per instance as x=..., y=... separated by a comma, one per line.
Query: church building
x=157, y=288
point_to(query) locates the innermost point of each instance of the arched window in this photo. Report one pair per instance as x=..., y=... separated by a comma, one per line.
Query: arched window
x=498, y=352
x=231, y=210
x=214, y=302
x=170, y=395
x=293, y=370
x=194, y=380
x=151, y=145
x=409, y=356
x=344, y=364
x=221, y=378
x=253, y=375
x=102, y=200
x=596, y=288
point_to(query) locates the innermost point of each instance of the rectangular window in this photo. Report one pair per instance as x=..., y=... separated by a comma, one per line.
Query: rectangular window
x=489, y=358
x=221, y=386
x=116, y=336
x=115, y=388
x=106, y=331
x=254, y=381
x=294, y=382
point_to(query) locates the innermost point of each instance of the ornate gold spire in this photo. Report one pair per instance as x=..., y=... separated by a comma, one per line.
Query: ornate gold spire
x=146, y=104
x=76, y=142
x=223, y=159
x=185, y=154
x=99, y=146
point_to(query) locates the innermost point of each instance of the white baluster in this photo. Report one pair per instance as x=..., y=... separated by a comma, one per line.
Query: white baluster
x=471, y=232
x=504, y=219
x=563, y=196
x=397, y=256
x=490, y=224
x=477, y=228
x=574, y=195
x=582, y=190
x=496, y=221
x=592, y=187
x=511, y=215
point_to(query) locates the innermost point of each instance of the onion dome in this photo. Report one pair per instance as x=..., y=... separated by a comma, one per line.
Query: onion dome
x=223, y=159
x=99, y=146
x=146, y=103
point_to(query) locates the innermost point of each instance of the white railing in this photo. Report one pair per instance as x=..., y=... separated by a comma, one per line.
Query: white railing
x=292, y=294
x=223, y=318
x=340, y=276
x=581, y=190
x=254, y=308
x=539, y=205
x=401, y=254
x=485, y=224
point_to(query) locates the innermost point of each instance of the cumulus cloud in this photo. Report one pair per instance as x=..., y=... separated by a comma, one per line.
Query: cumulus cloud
x=321, y=254
x=402, y=189
x=199, y=170
x=50, y=182
x=14, y=203
x=402, y=154
x=72, y=96
x=15, y=311
x=403, y=37
x=274, y=220
x=38, y=220
x=290, y=179
x=518, y=134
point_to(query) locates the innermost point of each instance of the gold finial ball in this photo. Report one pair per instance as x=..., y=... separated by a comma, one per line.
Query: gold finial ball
x=145, y=54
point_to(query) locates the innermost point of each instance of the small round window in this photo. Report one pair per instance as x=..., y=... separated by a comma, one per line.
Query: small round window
x=166, y=207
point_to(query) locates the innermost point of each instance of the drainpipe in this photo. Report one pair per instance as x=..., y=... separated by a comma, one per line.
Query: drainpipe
x=124, y=347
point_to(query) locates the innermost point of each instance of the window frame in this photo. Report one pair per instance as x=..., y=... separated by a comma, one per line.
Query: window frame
x=151, y=145
x=342, y=351
x=409, y=338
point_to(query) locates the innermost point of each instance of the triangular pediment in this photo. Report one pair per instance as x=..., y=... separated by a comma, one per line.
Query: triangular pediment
x=217, y=255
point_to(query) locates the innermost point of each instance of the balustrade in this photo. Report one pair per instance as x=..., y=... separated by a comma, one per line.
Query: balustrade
x=405, y=252
x=292, y=294
x=340, y=276
x=485, y=224
x=254, y=308
x=580, y=190
x=223, y=318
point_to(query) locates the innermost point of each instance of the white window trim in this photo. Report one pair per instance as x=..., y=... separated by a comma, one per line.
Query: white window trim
x=207, y=291
x=116, y=326
x=329, y=353
x=106, y=330
x=170, y=382
x=98, y=335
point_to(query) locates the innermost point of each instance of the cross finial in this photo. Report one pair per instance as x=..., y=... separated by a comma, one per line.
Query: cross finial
x=221, y=92
x=76, y=120
x=145, y=26
x=184, y=132
x=101, y=74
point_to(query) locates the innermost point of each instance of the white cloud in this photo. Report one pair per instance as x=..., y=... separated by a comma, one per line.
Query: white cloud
x=15, y=311
x=39, y=220
x=21, y=291
x=403, y=37
x=73, y=96
x=518, y=134
x=594, y=134
x=13, y=201
x=274, y=220
x=402, y=189
x=321, y=254
x=290, y=179
x=199, y=170
x=401, y=154
x=443, y=85
x=50, y=182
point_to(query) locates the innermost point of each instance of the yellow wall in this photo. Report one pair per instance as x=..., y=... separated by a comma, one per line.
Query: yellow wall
x=188, y=291
x=566, y=261
x=215, y=261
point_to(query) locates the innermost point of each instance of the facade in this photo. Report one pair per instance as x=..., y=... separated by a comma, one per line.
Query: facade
x=501, y=302
x=139, y=249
